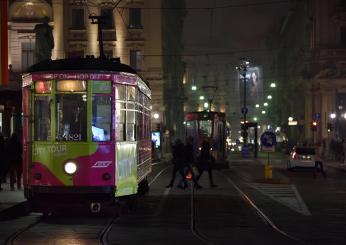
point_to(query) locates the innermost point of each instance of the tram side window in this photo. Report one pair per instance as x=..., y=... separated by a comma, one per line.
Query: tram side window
x=126, y=127
x=130, y=122
x=71, y=117
x=120, y=121
x=42, y=118
x=101, y=118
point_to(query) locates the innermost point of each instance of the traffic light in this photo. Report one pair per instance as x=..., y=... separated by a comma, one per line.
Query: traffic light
x=314, y=125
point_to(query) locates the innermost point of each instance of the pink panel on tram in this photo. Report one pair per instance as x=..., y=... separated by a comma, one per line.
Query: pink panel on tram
x=72, y=76
x=48, y=178
x=125, y=79
x=92, y=168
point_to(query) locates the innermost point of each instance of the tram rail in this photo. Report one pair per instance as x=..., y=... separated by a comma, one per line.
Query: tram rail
x=11, y=239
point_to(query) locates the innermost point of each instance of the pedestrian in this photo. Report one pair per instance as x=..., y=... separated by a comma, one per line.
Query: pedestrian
x=2, y=157
x=344, y=150
x=205, y=162
x=189, y=156
x=319, y=161
x=14, y=161
x=178, y=162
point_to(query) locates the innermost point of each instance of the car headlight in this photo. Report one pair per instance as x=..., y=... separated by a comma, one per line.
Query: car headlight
x=70, y=167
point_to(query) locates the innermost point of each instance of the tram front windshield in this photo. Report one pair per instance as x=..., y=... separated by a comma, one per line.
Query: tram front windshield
x=71, y=114
x=205, y=128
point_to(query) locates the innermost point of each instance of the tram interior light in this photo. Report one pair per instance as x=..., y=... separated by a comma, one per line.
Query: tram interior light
x=71, y=86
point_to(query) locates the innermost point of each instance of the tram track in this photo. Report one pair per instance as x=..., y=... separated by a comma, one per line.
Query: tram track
x=15, y=236
x=11, y=239
x=260, y=213
x=267, y=221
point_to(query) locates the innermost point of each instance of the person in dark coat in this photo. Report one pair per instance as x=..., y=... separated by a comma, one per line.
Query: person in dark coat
x=205, y=162
x=2, y=161
x=14, y=152
x=178, y=162
x=189, y=157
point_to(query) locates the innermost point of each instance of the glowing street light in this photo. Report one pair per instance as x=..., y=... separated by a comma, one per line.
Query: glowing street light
x=263, y=112
x=257, y=105
x=290, y=119
x=269, y=97
x=206, y=105
x=194, y=87
x=201, y=97
x=156, y=115
x=273, y=85
x=332, y=115
x=265, y=104
x=255, y=119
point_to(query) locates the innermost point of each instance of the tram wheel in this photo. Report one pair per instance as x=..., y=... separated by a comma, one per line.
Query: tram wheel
x=143, y=187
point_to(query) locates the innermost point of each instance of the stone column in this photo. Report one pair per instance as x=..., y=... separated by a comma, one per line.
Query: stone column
x=93, y=44
x=58, y=29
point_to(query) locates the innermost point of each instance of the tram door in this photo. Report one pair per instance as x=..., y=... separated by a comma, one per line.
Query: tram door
x=27, y=133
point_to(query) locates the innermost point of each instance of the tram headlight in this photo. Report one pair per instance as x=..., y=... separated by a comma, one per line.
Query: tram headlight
x=70, y=167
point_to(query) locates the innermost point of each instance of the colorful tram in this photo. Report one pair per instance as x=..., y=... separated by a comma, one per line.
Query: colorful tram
x=86, y=131
x=208, y=126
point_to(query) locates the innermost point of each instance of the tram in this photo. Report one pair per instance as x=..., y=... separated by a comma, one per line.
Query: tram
x=208, y=126
x=86, y=131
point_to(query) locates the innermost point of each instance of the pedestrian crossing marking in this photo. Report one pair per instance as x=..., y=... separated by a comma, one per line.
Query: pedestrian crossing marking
x=287, y=195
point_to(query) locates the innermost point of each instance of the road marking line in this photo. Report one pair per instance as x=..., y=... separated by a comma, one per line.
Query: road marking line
x=260, y=213
x=287, y=195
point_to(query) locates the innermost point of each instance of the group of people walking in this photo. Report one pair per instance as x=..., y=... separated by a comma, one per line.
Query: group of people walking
x=184, y=160
x=11, y=161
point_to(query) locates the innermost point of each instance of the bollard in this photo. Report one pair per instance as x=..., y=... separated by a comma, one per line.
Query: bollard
x=268, y=171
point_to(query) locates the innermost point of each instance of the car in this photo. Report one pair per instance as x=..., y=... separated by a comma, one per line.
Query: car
x=301, y=157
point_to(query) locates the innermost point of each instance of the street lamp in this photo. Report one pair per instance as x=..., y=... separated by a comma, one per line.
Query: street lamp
x=273, y=85
x=156, y=115
x=242, y=69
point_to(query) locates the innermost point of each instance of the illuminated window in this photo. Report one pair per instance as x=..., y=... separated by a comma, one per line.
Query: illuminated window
x=71, y=86
x=205, y=127
x=43, y=87
x=71, y=114
x=127, y=118
x=101, y=118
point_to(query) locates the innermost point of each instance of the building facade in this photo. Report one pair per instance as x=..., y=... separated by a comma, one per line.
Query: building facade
x=131, y=31
x=311, y=69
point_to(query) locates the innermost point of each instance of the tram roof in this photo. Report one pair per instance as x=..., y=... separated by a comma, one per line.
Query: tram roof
x=81, y=64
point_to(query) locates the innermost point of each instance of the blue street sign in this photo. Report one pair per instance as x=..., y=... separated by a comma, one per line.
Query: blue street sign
x=268, y=141
x=244, y=110
x=317, y=116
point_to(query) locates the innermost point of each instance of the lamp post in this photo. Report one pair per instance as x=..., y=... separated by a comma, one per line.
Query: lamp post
x=242, y=69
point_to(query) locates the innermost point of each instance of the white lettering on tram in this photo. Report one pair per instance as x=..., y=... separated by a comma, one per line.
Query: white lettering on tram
x=101, y=164
x=51, y=149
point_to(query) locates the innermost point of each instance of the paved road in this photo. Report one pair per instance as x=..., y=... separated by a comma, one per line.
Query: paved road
x=293, y=208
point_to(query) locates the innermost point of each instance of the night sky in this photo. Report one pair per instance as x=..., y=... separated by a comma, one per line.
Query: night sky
x=231, y=28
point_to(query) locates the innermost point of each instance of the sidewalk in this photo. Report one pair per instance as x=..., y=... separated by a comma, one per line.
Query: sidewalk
x=10, y=198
